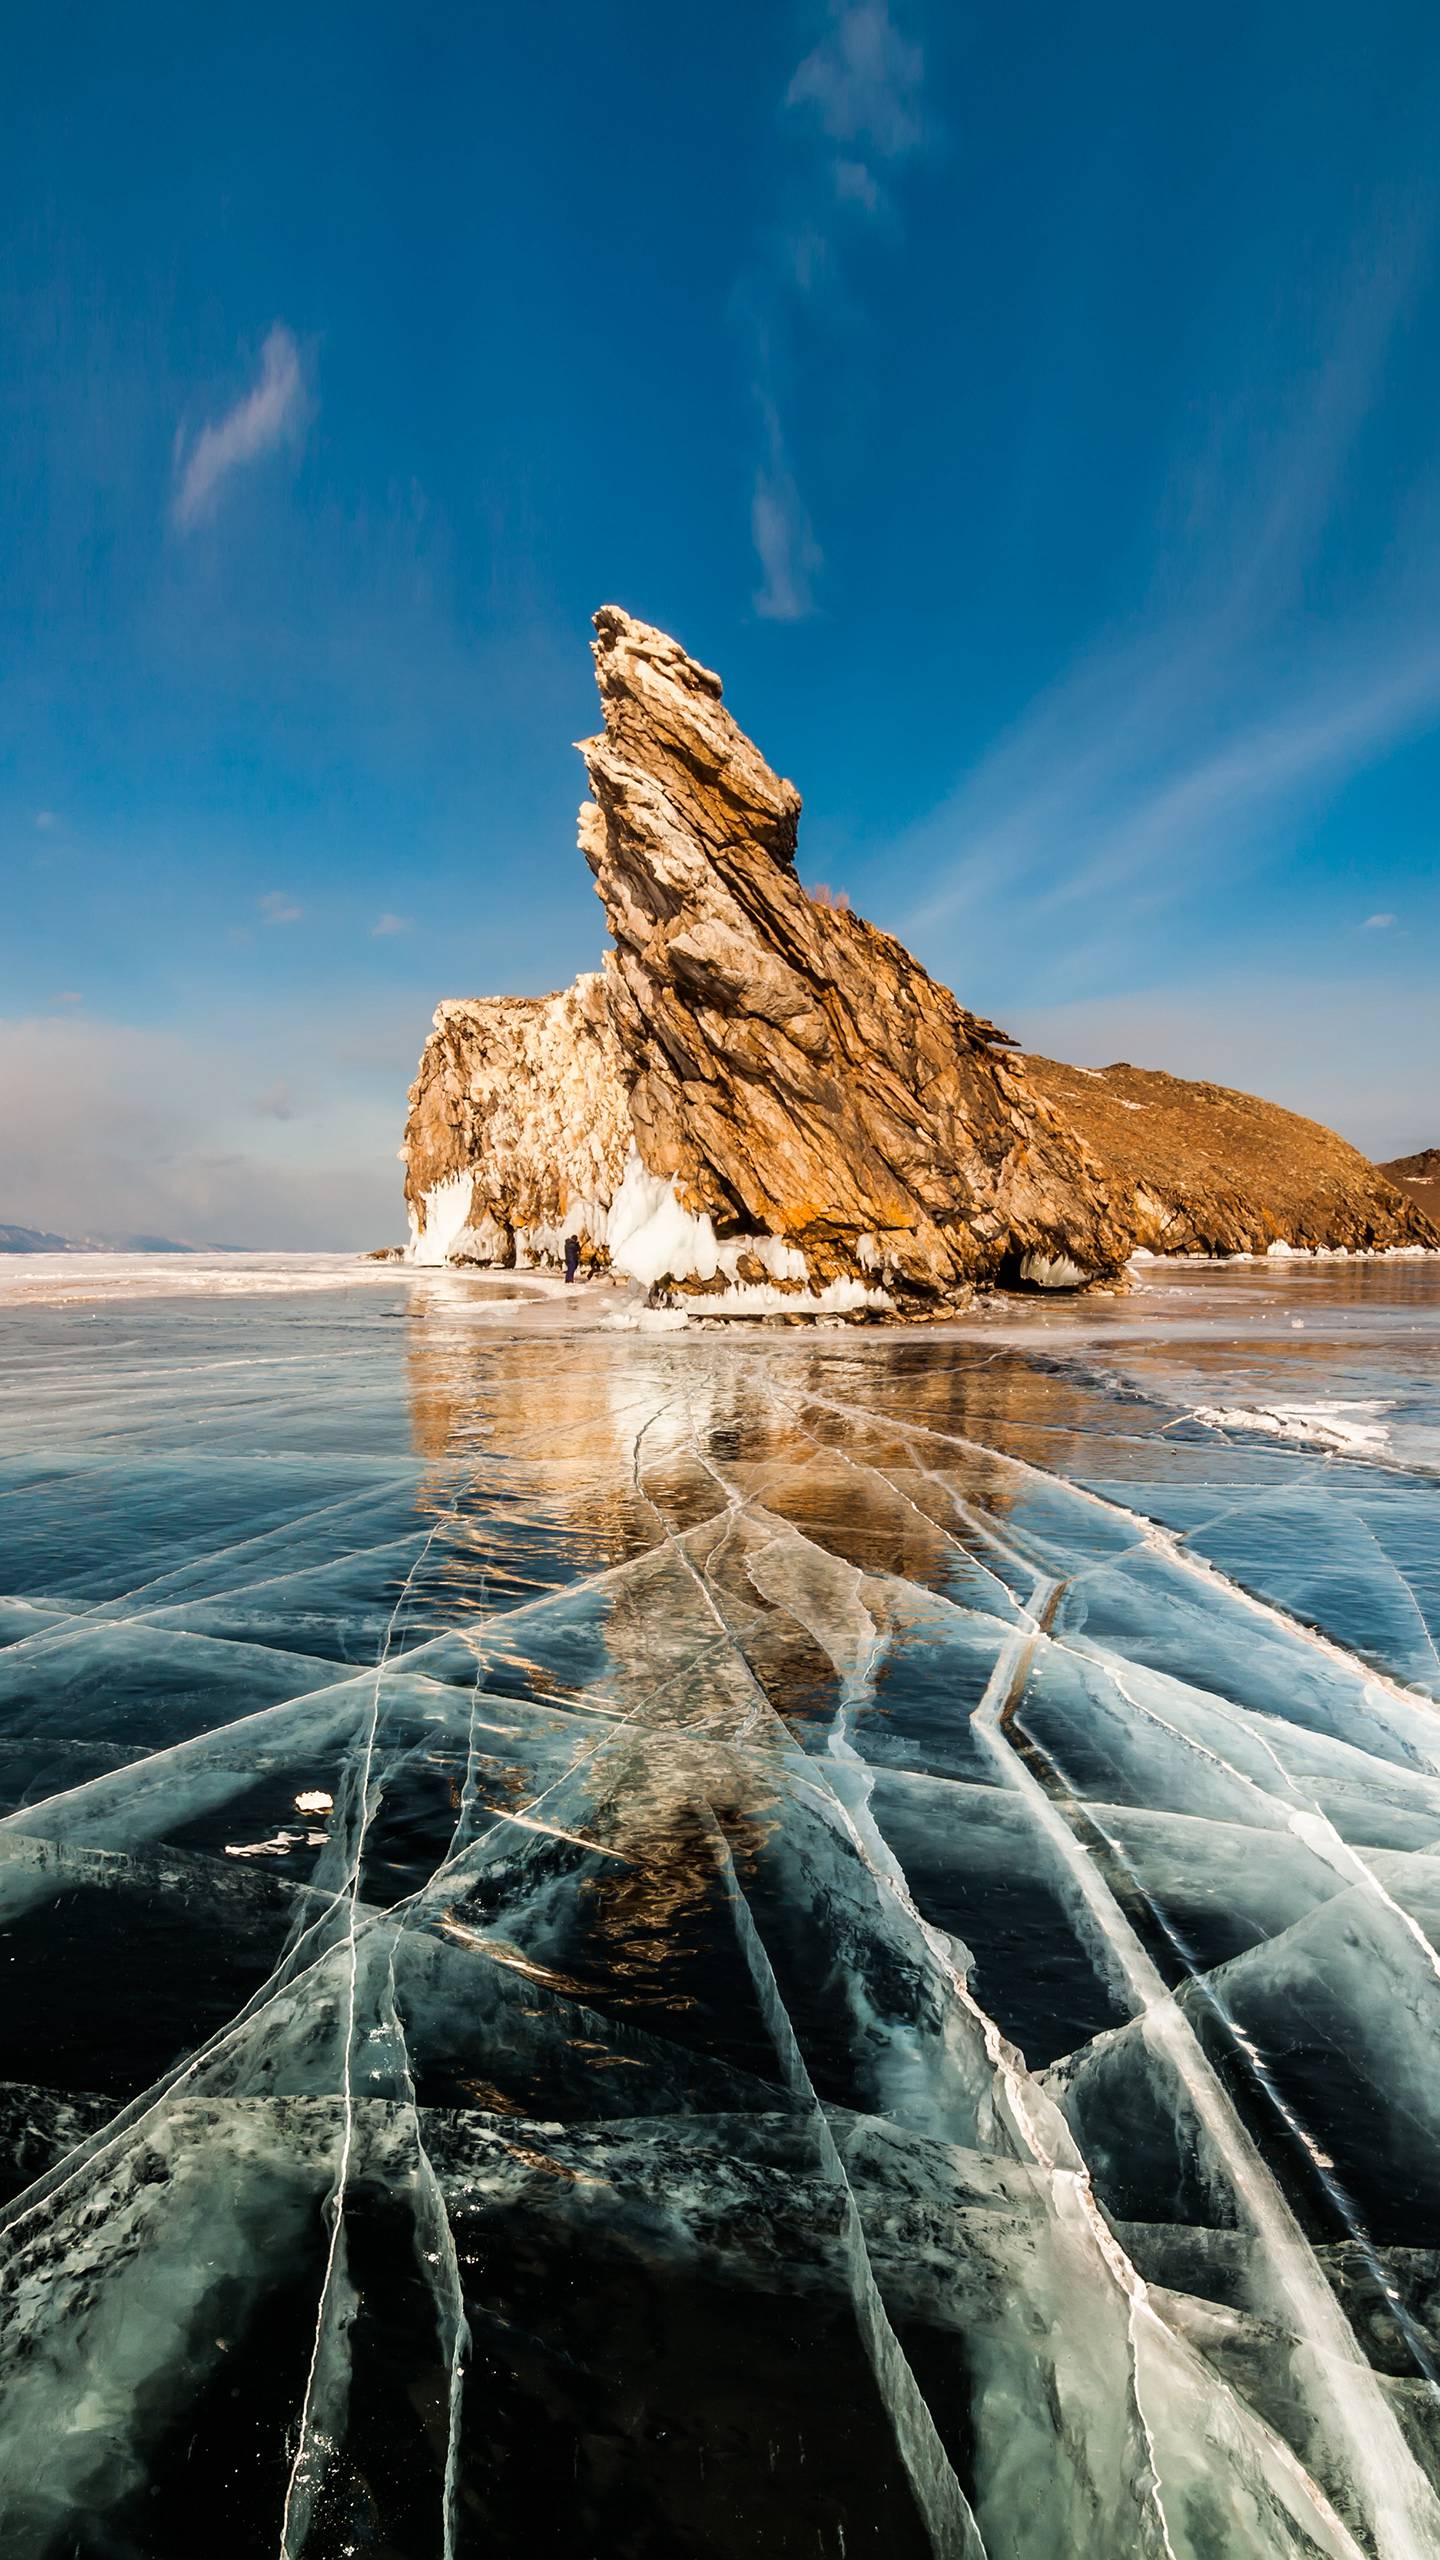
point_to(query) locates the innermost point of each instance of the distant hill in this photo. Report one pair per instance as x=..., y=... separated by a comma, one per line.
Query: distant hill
x=1223, y=1172
x=38, y=1240
x=1419, y=1175
x=32, y=1240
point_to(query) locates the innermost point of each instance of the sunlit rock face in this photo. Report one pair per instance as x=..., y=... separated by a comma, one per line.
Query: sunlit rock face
x=1418, y=1177
x=1219, y=1172
x=518, y=1128
x=785, y=1106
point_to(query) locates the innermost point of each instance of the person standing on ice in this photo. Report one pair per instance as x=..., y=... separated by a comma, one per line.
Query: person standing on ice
x=572, y=1257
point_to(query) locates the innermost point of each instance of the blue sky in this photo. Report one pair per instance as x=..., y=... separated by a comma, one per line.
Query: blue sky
x=1031, y=413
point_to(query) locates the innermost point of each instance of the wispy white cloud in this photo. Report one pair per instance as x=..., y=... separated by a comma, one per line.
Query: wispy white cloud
x=856, y=184
x=278, y=908
x=67, y=995
x=388, y=924
x=1378, y=924
x=784, y=539
x=864, y=82
x=273, y=413
x=1220, y=796
x=1198, y=743
x=1166, y=761
x=45, y=819
x=854, y=106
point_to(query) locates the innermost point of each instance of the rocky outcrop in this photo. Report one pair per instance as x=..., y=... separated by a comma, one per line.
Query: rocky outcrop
x=1418, y=1176
x=518, y=1130
x=784, y=1105
x=766, y=1102
x=1214, y=1171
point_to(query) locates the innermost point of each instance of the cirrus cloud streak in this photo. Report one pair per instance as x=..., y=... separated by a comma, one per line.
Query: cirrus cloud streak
x=273, y=413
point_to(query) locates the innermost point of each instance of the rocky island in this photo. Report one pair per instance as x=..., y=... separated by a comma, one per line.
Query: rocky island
x=764, y=1102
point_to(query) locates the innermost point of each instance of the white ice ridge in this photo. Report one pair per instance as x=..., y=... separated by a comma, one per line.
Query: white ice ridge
x=33, y=1280
x=327, y=2383
x=1348, y=1427
x=1280, y=1251
x=447, y=1215
x=650, y=1236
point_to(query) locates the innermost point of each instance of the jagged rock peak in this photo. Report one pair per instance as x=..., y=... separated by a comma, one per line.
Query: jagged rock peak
x=770, y=1098
x=792, y=1071
x=665, y=714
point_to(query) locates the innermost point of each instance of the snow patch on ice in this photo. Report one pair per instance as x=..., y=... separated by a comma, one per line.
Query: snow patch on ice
x=646, y=1320
x=78, y=1279
x=1280, y=1251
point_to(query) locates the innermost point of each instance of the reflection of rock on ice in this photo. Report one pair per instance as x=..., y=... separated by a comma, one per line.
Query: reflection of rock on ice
x=834, y=1960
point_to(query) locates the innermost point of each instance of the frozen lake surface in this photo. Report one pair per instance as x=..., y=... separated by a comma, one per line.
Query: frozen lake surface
x=692, y=1943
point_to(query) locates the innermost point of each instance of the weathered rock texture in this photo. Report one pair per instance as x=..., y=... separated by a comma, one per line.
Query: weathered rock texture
x=1215, y=1171
x=791, y=1070
x=766, y=1101
x=518, y=1122
x=776, y=1099
x=1418, y=1176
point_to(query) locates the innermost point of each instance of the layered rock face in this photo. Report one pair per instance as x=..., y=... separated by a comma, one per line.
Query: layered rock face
x=766, y=1102
x=769, y=1099
x=1214, y=1171
x=793, y=1073
x=518, y=1130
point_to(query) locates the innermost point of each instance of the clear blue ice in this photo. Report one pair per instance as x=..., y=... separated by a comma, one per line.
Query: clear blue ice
x=716, y=1944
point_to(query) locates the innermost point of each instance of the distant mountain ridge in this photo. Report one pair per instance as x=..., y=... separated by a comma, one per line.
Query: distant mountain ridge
x=15, y=1239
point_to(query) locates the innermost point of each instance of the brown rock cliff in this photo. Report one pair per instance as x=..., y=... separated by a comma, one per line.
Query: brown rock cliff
x=792, y=1069
x=765, y=1098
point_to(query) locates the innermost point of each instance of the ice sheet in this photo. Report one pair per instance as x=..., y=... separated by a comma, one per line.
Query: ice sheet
x=650, y=1943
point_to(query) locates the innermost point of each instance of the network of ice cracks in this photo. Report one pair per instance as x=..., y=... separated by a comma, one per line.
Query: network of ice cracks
x=851, y=1993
